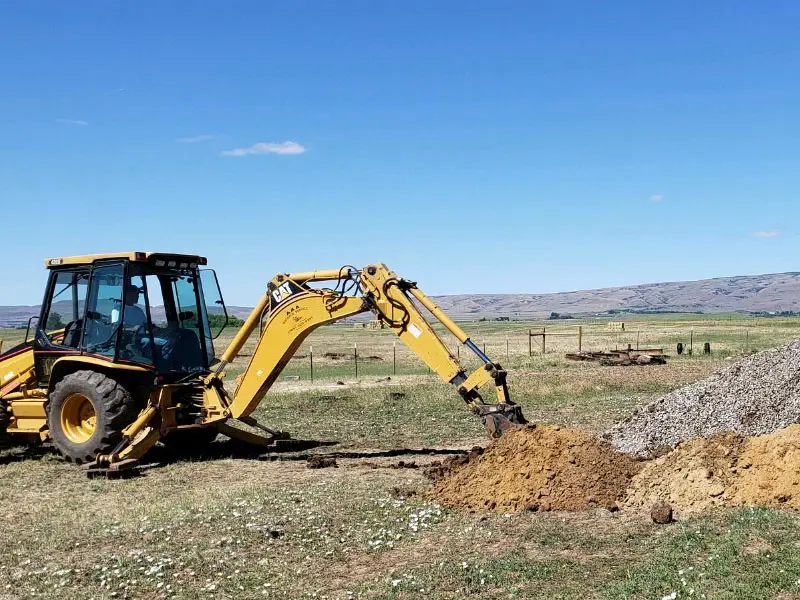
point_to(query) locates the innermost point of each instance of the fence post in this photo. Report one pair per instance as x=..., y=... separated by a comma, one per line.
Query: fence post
x=507, y=355
x=544, y=337
x=355, y=355
x=638, y=331
x=394, y=358
x=691, y=341
x=580, y=338
x=311, y=361
x=484, y=347
x=530, y=343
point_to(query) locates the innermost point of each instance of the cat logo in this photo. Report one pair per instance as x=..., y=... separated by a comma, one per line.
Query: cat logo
x=282, y=292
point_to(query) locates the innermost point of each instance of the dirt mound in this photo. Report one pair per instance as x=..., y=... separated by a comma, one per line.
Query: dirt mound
x=692, y=478
x=537, y=468
x=769, y=470
x=724, y=470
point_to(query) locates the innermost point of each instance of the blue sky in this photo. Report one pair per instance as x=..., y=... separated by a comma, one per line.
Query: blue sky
x=472, y=146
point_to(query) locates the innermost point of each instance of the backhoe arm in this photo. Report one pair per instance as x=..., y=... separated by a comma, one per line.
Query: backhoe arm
x=291, y=309
x=390, y=298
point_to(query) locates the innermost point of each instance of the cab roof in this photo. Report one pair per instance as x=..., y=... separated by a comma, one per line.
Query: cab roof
x=159, y=259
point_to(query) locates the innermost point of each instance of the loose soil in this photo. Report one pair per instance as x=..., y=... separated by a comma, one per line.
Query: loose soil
x=723, y=470
x=552, y=468
x=537, y=468
x=692, y=478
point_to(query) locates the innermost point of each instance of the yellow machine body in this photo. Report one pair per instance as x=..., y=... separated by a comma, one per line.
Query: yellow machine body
x=288, y=312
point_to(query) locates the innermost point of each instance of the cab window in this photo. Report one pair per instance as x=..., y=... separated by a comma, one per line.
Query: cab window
x=62, y=323
x=177, y=332
x=103, y=322
x=136, y=342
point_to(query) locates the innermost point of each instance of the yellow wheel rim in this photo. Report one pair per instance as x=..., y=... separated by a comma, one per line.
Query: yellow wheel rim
x=78, y=419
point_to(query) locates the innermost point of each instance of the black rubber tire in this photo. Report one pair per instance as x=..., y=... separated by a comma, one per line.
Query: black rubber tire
x=5, y=418
x=114, y=410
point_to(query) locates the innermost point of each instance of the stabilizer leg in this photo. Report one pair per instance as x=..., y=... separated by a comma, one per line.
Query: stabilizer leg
x=243, y=435
x=138, y=438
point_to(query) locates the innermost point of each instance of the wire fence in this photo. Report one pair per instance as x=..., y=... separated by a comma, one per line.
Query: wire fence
x=381, y=354
x=345, y=352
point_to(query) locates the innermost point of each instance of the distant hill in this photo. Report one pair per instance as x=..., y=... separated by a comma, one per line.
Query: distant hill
x=748, y=293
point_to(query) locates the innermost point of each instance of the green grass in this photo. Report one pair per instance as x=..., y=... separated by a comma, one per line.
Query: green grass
x=742, y=555
x=246, y=529
x=429, y=414
x=11, y=337
x=746, y=554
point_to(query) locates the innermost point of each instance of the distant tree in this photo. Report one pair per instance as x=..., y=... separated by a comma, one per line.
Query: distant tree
x=554, y=316
x=217, y=321
x=54, y=322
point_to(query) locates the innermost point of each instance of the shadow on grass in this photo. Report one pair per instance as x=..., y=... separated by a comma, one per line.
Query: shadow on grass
x=165, y=454
x=368, y=453
x=284, y=450
x=290, y=450
x=24, y=453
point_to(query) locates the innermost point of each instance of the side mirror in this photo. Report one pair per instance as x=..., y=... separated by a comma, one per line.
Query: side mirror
x=216, y=312
x=30, y=326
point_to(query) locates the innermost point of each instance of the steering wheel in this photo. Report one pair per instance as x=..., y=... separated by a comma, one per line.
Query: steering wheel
x=97, y=324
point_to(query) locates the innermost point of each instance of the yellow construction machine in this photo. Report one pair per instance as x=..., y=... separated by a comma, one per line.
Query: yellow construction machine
x=122, y=353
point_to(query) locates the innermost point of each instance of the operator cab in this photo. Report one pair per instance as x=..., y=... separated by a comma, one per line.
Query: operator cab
x=152, y=310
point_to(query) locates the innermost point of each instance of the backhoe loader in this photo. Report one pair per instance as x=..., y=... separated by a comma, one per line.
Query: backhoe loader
x=122, y=353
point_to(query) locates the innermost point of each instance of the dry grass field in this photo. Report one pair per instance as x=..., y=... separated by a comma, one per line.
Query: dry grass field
x=232, y=523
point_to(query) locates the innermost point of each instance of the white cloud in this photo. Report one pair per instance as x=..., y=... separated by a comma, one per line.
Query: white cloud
x=267, y=148
x=204, y=137
x=656, y=197
x=770, y=233
x=72, y=121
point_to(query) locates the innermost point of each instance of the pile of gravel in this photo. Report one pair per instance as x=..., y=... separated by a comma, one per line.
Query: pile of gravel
x=757, y=395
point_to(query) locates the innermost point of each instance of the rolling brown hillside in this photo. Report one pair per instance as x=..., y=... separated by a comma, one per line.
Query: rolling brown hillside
x=773, y=293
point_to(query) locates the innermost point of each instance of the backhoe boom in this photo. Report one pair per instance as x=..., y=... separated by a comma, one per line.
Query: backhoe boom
x=291, y=309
